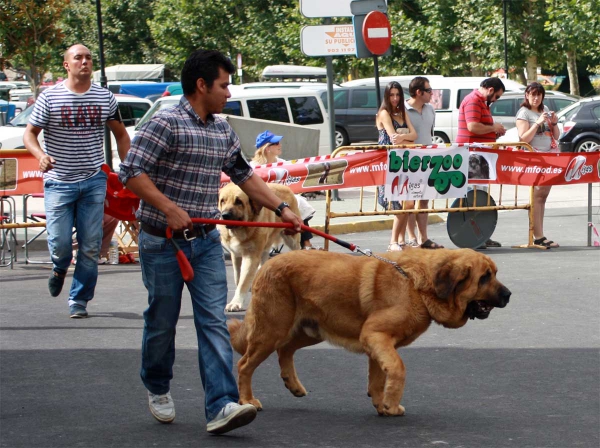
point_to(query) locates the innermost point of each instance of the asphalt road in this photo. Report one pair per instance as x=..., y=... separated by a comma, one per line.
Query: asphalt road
x=528, y=376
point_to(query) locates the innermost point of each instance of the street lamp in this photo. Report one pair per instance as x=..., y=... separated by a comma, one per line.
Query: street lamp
x=504, y=3
x=103, y=83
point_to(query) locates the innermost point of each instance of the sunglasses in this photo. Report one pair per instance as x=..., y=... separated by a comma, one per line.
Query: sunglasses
x=428, y=90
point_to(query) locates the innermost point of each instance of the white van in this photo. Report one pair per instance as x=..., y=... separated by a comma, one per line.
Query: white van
x=448, y=93
x=299, y=106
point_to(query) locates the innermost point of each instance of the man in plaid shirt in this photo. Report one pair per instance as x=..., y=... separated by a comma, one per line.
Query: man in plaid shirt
x=174, y=166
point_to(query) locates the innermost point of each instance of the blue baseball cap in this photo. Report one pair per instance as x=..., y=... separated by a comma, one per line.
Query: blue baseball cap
x=267, y=137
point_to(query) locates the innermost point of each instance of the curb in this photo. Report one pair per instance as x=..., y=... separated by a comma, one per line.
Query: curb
x=370, y=226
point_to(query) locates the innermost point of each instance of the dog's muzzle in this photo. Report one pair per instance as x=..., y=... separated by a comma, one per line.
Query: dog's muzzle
x=481, y=309
x=229, y=216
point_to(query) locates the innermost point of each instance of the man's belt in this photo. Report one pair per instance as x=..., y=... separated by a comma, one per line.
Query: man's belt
x=196, y=231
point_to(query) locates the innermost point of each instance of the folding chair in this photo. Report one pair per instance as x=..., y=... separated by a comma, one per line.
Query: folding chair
x=8, y=237
x=35, y=217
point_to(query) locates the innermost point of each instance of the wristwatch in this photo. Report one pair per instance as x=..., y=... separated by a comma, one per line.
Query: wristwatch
x=280, y=208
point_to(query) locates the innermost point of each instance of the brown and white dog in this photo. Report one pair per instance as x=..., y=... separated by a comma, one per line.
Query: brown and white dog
x=362, y=304
x=250, y=246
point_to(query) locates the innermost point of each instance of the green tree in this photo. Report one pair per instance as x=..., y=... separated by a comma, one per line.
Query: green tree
x=29, y=32
x=575, y=26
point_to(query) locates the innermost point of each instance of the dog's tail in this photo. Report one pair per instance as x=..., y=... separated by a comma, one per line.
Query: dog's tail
x=237, y=330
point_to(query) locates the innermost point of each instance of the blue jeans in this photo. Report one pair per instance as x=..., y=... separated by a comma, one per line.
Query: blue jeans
x=164, y=282
x=79, y=205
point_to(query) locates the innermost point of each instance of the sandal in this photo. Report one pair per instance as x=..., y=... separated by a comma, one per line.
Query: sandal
x=492, y=243
x=545, y=242
x=395, y=247
x=431, y=245
x=413, y=243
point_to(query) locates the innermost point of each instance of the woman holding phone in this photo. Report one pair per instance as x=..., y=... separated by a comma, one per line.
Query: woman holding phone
x=538, y=127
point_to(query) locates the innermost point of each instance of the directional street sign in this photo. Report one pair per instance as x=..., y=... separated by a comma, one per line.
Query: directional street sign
x=325, y=8
x=377, y=33
x=328, y=40
x=340, y=8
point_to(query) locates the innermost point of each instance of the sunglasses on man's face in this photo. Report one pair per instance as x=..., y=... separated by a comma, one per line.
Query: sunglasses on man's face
x=428, y=90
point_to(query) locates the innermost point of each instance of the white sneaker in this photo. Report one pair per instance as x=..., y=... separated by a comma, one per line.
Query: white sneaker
x=232, y=416
x=102, y=260
x=162, y=407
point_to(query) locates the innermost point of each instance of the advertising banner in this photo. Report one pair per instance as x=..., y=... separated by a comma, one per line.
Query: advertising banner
x=482, y=166
x=426, y=173
x=19, y=173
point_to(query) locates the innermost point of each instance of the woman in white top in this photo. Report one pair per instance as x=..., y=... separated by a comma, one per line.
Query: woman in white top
x=537, y=126
x=268, y=150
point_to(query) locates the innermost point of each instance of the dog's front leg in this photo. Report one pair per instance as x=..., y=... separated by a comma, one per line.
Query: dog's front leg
x=249, y=266
x=236, y=263
x=380, y=347
x=376, y=385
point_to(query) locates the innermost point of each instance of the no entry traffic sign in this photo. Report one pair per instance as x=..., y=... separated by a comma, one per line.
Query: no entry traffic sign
x=377, y=33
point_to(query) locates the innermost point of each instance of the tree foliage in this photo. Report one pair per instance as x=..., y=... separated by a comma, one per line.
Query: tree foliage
x=448, y=37
x=28, y=34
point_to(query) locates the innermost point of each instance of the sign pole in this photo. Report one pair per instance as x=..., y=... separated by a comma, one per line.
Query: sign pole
x=376, y=66
x=331, y=106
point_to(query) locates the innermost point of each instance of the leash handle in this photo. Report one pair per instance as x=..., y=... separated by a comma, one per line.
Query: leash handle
x=184, y=264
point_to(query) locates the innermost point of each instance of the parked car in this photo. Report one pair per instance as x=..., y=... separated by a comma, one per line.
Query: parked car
x=505, y=109
x=580, y=126
x=355, y=110
x=132, y=109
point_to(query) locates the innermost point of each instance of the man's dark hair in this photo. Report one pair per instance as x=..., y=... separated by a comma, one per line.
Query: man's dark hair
x=203, y=64
x=496, y=83
x=417, y=83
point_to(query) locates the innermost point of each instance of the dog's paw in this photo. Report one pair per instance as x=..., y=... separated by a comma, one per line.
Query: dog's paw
x=397, y=411
x=296, y=389
x=254, y=402
x=234, y=306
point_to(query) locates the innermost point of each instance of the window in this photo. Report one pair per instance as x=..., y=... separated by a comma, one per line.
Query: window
x=572, y=113
x=462, y=93
x=272, y=109
x=340, y=99
x=233, y=108
x=596, y=112
x=504, y=108
x=132, y=112
x=364, y=99
x=440, y=99
x=306, y=110
x=561, y=103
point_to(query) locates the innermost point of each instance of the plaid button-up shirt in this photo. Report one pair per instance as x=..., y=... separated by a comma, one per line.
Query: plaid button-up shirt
x=184, y=157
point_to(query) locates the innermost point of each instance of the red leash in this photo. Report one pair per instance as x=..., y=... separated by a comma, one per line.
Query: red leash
x=186, y=267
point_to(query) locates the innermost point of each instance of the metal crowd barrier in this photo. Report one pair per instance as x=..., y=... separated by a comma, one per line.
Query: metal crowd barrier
x=504, y=202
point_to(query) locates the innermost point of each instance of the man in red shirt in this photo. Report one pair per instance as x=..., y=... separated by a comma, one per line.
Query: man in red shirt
x=475, y=122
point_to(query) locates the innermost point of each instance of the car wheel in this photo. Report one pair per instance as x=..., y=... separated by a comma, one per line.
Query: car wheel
x=439, y=138
x=341, y=137
x=588, y=145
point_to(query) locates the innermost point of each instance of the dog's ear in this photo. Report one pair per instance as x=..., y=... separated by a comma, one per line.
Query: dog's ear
x=255, y=206
x=449, y=277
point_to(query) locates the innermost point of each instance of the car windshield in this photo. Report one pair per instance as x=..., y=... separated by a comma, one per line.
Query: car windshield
x=22, y=119
x=162, y=104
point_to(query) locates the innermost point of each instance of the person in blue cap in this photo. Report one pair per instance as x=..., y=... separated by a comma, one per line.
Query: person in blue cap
x=268, y=150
